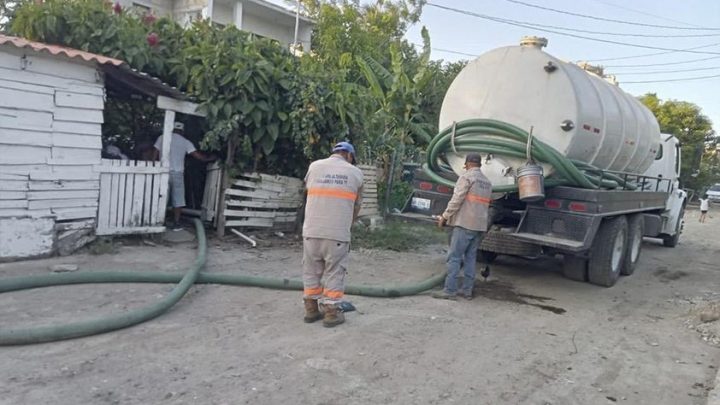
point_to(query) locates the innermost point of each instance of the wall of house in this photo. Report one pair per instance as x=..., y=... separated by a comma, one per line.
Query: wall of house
x=283, y=33
x=223, y=13
x=51, y=112
x=281, y=29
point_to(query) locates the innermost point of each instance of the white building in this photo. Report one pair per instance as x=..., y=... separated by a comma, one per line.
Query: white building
x=260, y=17
x=56, y=190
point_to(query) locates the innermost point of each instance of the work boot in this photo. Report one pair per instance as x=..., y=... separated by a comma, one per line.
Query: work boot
x=333, y=316
x=312, y=313
x=443, y=295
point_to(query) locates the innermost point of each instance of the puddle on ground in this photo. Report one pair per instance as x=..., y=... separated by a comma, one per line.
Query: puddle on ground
x=502, y=291
x=667, y=276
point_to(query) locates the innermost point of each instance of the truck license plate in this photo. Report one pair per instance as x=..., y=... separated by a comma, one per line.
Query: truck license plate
x=420, y=203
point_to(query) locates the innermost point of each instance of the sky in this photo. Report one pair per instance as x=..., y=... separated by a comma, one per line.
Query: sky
x=451, y=31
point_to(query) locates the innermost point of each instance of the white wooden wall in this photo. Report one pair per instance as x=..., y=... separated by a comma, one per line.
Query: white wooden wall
x=51, y=112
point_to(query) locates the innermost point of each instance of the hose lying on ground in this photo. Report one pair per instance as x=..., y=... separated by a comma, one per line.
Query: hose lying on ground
x=500, y=138
x=194, y=275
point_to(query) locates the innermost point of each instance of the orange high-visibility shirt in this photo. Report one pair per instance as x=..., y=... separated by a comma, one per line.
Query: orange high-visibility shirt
x=334, y=189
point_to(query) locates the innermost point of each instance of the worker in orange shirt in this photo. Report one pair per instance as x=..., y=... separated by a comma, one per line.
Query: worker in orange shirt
x=467, y=212
x=334, y=194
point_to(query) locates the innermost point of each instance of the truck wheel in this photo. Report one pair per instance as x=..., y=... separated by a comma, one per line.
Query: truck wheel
x=672, y=240
x=575, y=268
x=608, y=251
x=636, y=225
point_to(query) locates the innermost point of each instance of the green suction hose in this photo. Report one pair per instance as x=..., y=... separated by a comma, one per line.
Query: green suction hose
x=501, y=138
x=95, y=326
x=194, y=275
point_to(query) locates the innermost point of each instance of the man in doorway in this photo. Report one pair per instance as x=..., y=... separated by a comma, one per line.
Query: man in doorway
x=467, y=213
x=704, y=207
x=179, y=147
x=334, y=194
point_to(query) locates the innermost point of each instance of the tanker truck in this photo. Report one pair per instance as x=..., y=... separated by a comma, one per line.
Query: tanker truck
x=579, y=167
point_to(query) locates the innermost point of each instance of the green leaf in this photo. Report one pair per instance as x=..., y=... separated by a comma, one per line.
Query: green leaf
x=258, y=134
x=256, y=116
x=375, y=87
x=267, y=144
x=227, y=110
x=246, y=107
x=273, y=131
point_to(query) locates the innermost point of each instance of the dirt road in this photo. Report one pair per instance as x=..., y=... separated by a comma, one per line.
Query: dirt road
x=531, y=337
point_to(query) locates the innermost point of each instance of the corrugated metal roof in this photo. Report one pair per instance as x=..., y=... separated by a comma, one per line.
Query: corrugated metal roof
x=59, y=50
x=115, y=68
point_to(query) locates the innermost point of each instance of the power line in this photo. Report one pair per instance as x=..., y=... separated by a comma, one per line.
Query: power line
x=672, y=80
x=456, y=52
x=607, y=3
x=657, y=72
x=504, y=21
x=652, y=54
x=663, y=64
x=610, y=19
x=633, y=73
x=447, y=50
x=616, y=34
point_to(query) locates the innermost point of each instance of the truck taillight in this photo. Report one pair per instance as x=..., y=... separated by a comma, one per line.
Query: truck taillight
x=425, y=186
x=443, y=189
x=554, y=204
x=577, y=207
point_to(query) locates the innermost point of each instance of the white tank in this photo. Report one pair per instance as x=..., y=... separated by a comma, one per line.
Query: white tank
x=577, y=112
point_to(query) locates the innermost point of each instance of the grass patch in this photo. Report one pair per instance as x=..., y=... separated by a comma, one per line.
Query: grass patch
x=398, y=236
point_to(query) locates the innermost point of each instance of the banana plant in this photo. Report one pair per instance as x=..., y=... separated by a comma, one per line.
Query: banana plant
x=398, y=118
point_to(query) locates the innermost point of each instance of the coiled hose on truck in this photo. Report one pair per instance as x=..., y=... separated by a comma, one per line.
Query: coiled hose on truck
x=500, y=138
x=194, y=275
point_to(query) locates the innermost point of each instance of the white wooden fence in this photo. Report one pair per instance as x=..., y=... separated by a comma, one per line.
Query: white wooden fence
x=133, y=197
x=257, y=200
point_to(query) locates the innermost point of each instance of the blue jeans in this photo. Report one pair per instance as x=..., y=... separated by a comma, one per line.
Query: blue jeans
x=463, y=251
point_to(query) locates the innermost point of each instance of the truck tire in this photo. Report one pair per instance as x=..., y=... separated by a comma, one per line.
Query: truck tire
x=608, y=251
x=672, y=240
x=575, y=268
x=636, y=225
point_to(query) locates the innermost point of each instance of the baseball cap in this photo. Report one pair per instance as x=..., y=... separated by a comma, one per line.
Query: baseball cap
x=473, y=158
x=179, y=126
x=344, y=147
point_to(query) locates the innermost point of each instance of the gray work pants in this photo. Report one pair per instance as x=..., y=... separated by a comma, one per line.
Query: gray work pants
x=324, y=258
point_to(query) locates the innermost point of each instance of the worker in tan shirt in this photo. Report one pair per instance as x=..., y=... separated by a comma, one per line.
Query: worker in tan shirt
x=334, y=194
x=467, y=212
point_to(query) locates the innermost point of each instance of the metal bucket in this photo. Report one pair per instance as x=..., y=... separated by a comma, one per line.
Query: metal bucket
x=530, y=181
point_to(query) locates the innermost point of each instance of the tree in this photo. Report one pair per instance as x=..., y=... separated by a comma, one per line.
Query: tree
x=263, y=105
x=441, y=75
x=7, y=12
x=398, y=119
x=697, y=137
